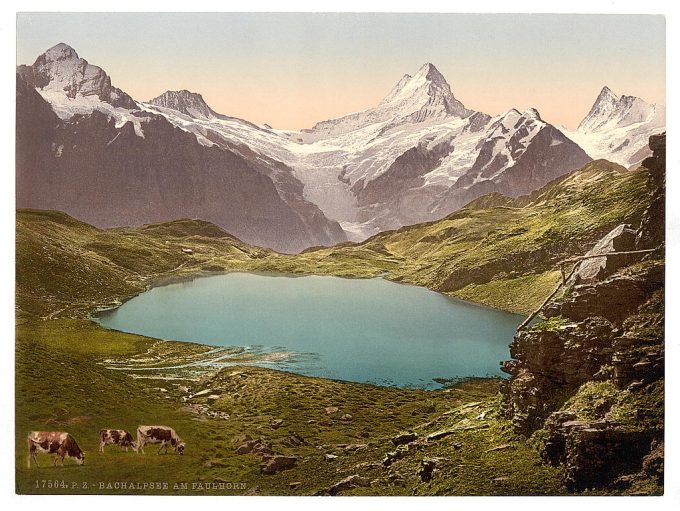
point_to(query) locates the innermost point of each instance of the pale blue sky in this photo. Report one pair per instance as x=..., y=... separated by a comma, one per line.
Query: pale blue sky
x=291, y=70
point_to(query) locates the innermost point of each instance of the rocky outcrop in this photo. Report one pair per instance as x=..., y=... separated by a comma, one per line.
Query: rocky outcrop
x=185, y=102
x=271, y=464
x=594, y=453
x=522, y=168
x=548, y=364
x=652, y=227
x=586, y=381
x=345, y=484
x=614, y=298
x=620, y=239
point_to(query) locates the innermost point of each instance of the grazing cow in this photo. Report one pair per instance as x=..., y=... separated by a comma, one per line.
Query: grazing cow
x=117, y=437
x=53, y=442
x=159, y=435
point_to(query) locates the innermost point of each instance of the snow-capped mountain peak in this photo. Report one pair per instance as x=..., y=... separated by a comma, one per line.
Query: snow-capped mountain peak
x=185, y=102
x=424, y=96
x=612, y=111
x=532, y=113
x=61, y=72
x=61, y=51
x=617, y=128
x=428, y=91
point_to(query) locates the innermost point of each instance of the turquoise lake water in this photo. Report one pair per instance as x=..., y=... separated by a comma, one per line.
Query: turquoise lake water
x=367, y=330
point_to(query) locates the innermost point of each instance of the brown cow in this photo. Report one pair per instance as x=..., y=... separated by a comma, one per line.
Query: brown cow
x=159, y=435
x=117, y=437
x=59, y=443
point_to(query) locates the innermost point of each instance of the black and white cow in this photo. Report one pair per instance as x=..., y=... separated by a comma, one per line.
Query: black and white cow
x=159, y=435
x=59, y=443
x=116, y=437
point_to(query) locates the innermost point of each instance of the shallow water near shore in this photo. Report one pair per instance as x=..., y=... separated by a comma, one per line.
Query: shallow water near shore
x=361, y=330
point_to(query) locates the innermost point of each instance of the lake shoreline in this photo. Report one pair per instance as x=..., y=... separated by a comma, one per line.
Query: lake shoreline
x=458, y=335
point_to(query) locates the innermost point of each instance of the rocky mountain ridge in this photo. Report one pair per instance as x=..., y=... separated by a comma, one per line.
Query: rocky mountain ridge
x=618, y=127
x=417, y=156
x=424, y=96
x=186, y=102
x=86, y=148
x=61, y=70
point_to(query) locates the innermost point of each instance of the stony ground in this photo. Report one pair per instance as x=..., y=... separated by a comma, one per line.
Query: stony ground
x=73, y=375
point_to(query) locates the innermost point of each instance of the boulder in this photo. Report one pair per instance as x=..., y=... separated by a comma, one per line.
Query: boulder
x=255, y=447
x=275, y=463
x=620, y=239
x=438, y=435
x=593, y=453
x=330, y=410
x=293, y=440
x=393, y=456
x=427, y=467
x=404, y=438
x=347, y=483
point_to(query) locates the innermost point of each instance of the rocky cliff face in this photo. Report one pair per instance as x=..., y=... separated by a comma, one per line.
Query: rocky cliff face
x=588, y=381
x=61, y=70
x=97, y=170
x=186, y=102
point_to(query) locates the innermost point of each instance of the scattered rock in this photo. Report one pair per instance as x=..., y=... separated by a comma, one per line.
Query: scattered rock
x=276, y=463
x=216, y=414
x=438, y=435
x=346, y=418
x=293, y=440
x=245, y=448
x=330, y=457
x=393, y=456
x=277, y=423
x=255, y=447
x=355, y=447
x=404, y=438
x=427, y=467
x=347, y=483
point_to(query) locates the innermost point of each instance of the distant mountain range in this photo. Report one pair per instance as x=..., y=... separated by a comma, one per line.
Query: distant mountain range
x=89, y=149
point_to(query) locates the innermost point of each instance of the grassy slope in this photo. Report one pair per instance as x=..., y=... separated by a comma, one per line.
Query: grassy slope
x=489, y=255
x=502, y=256
x=62, y=384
